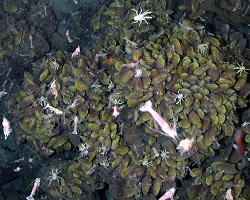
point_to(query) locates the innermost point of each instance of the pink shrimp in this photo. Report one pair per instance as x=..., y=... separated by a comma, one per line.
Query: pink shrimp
x=185, y=146
x=76, y=52
x=229, y=195
x=76, y=120
x=167, y=129
x=55, y=110
x=115, y=111
x=54, y=89
x=6, y=128
x=169, y=194
x=35, y=186
x=68, y=37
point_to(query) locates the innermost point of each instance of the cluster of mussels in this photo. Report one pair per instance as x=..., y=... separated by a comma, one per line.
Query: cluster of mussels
x=15, y=34
x=216, y=181
x=10, y=35
x=23, y=32
x=66, y=105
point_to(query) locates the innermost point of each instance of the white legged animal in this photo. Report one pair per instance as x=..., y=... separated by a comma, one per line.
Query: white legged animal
x=141, y=16
x=54, y=176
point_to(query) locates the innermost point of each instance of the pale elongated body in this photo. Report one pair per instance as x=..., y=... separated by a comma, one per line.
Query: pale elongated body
x=167, y=129
x=55, y=110
x=54, y=89
x=169, y=194
x=6, y=128
x=35, y=186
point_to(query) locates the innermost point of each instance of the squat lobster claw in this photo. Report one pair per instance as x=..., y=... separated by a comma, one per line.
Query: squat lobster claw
x=141, y=16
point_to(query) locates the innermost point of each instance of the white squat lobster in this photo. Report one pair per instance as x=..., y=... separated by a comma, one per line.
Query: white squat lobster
x=202, y=48
x=179, y=97
x=241, y=68
x=54, y=176
x=141, y=16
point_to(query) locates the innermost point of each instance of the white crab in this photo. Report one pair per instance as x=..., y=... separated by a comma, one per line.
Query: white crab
x=141, y=16
x=145, y=162
x=54, y=176
x=241, y=68
x=202, y=48
x=43, y=101
x=179, y=97
x=164, y=154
